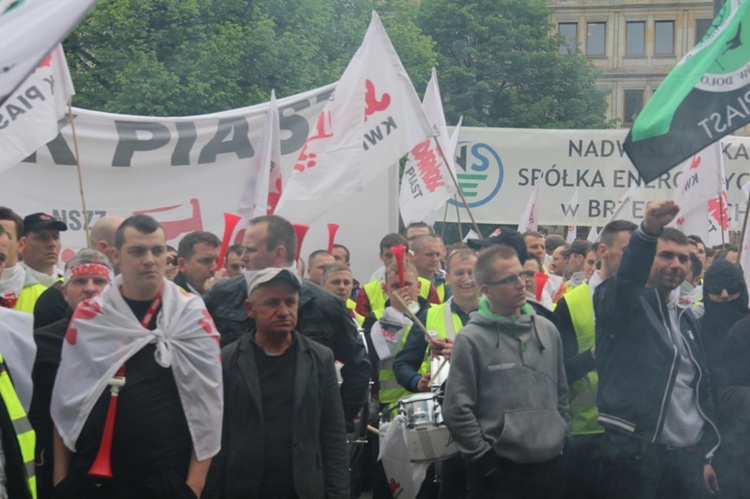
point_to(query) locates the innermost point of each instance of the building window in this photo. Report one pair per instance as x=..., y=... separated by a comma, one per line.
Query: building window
x=595, y=39
x=635, y=38
x=633, y=105
x=701, y=28
x=569, y=32
x=664, y=38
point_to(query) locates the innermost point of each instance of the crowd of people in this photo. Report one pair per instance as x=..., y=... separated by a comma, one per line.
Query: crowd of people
x=518, y=366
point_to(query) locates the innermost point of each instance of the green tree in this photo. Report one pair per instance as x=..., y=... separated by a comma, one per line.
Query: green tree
x=182, y=57
x=500, y=66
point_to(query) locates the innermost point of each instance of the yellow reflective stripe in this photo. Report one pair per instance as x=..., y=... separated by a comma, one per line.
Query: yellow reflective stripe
x=21, y=425
x=436, y=321
x=389, y=390
x=584, y=413
x=375, y=294
x=28, y=296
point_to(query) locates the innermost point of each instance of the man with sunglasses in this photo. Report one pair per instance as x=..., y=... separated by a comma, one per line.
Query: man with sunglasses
x=506, y=396
x=654, y=398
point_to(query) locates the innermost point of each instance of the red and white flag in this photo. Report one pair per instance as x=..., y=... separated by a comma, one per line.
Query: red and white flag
x=572, y=217
x=373, y=118
x=29, y=117
x=31, y=30
x=264, y=185
x=701, y=196
x=426, y=184
x=530, y=217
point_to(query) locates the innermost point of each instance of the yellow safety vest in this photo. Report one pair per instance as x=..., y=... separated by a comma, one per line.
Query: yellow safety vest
x=28, y=297
x=377, y=296
x=352, y=305
x=440, y=288
x=582, y=394
x=389, y=391
x=24, y=432
x=442, y=320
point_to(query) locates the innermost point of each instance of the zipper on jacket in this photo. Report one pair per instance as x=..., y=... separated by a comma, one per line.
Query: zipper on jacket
x=710, y=454
x=671, y=370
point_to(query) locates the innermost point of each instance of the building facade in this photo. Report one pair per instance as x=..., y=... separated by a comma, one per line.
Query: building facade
x=635, y=43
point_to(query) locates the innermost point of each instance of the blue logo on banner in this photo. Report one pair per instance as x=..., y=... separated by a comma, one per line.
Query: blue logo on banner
x=479, y=173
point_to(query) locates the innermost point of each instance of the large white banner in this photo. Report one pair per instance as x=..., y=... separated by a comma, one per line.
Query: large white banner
x=497, y=169
x=186, y=172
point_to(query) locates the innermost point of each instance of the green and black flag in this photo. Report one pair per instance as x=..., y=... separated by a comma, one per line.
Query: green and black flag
x=705, y=97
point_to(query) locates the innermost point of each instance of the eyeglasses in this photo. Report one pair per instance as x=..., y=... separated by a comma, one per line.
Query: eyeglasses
x=716, y=289
x=527, y=274
x=511, y=279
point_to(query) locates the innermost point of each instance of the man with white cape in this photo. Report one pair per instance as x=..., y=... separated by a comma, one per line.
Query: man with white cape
x=138, y=399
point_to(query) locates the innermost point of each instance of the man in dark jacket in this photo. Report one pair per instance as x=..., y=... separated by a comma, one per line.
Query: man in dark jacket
x=283, y=433
x=270, y=241
x=654, y=396
x=198, y=259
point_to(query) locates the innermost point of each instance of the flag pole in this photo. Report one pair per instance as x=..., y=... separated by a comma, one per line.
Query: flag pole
x=86, y=227
x=445, y=218
x=458, y=219
x=721, y=219
x=455, y=182
x=742, y=235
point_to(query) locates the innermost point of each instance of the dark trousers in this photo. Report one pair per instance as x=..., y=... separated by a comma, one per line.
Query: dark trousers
x=517, y=481
x=157, y=486
x=452, y=476
x=582, y=458
x=633, y=468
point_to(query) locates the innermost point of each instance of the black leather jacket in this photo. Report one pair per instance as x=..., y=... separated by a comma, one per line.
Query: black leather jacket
x=322, y=316
x=636, y=362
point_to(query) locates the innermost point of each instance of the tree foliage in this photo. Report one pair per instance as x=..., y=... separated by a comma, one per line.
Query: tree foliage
x=499, y=66
x=182, y=57
x=497, y=62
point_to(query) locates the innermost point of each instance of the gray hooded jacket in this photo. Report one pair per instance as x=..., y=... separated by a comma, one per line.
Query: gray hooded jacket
x=507, y=390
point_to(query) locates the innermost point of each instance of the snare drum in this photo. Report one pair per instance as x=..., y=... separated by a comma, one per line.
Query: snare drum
x=427, y=438
x=420, y=409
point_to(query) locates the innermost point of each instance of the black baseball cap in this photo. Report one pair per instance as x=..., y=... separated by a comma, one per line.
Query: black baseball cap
x=503, y=235
x=40, y=221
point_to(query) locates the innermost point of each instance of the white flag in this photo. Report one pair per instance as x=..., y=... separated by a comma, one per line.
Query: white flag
x=453, y=145
x=530, y=217
x=264, y=185
x=634, y=193
x=593, y=235
x=29, y=117
x=31, y=31
x=426, y=183
x=718, y=212
x=572, y=216
x=374, y=117
x=700, y=180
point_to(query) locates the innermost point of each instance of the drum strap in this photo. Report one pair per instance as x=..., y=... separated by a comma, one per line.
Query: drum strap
x=424, y=439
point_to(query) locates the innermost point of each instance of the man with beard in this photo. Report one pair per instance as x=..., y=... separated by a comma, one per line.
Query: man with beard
x=654, y=394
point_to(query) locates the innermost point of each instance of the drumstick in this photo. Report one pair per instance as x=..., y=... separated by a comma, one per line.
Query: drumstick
x=372, y=429
x=413, y=317
x=440, y=368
